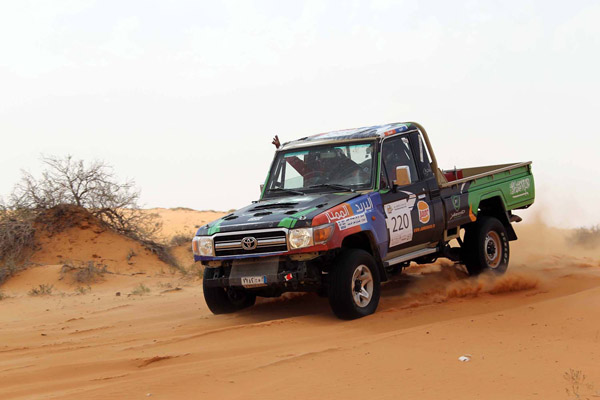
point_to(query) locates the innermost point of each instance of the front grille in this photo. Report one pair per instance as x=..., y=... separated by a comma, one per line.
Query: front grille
x=269, y=241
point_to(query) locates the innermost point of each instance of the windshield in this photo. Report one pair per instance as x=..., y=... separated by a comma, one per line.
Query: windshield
x=338, y=167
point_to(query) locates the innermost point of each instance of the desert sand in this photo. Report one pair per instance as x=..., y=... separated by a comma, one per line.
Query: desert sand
x=521, y=332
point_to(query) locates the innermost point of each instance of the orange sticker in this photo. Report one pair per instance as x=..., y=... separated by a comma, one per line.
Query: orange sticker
x=424, y=228
x=471, y=215
x=424, y=215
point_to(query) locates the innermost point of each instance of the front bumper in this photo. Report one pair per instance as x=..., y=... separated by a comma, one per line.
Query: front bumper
x=281, y=274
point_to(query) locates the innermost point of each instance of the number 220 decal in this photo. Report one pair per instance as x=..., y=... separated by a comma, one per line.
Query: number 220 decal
x=401, y=222
x=398, y=220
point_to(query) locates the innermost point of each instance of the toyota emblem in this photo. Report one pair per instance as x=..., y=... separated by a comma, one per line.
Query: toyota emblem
x=249, y=243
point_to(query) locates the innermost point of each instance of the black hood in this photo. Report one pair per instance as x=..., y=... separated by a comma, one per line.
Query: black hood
x=283, y=212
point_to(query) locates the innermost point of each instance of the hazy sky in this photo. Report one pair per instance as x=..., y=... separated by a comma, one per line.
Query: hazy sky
x=184, y=96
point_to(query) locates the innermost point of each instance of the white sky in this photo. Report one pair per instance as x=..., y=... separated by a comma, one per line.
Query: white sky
x=184, y=96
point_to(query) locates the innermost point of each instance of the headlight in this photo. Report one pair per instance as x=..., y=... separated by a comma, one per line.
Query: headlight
x=305, y=237
x=300, y=238
x=203, y=246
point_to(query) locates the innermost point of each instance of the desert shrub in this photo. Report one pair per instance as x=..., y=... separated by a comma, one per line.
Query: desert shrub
x=181, y=239
x=16, y=240
x=81, y=290
x=181, y=209
x=2, y=295
x=587, y=237
x=130, y=255
x=577, y=387
x=89, y=272
x=162, y=251
x=140, y=290
x=92, y=186
x=41, y=290
x=51, y=201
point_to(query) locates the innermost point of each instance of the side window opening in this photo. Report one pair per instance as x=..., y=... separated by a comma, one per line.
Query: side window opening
x=396, y=152
x=424, y=158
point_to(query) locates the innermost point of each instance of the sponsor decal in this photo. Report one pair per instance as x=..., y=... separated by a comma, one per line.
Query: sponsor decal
x=456, y=215
x=519, y=188
x=456, y=202
x=424, y=228
x=364, y=206
x=424, y=215
x=349, y=222
x=399, y=221
x=398, y=129
x=288, y=277
x=254, y=219
x=340, y=212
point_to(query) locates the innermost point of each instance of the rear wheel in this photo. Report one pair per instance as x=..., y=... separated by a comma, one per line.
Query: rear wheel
x=486, y=247
x=227, y=300
x=354, y=285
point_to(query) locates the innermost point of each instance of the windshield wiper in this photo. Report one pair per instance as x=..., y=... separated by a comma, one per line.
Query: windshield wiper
x=287, y=191
x=333, y=186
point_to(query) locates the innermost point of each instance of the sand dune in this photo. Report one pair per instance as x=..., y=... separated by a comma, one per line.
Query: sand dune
x=183, y=221
x=522, y=331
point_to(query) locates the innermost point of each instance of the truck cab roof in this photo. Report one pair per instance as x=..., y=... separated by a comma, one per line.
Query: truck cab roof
x=367, y=132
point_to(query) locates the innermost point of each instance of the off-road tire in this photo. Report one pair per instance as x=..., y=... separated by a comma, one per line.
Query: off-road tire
x=342, y=289
x=227, y=300
x=486, y=247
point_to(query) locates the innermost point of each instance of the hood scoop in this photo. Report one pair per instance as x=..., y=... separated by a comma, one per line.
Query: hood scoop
x=273, y=205
x=261, y=214
x=230, y=217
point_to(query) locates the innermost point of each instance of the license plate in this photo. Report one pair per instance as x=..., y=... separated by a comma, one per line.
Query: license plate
x=254, y=281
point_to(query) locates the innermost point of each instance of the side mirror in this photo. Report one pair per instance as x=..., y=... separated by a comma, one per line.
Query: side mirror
x=402, y=176
x=262, y=186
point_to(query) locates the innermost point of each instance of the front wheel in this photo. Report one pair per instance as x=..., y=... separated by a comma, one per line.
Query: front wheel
x=354, y=285
x=486, y=247
x=227, y=300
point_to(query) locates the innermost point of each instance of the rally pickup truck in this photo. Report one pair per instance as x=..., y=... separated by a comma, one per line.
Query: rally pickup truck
x=341, y=212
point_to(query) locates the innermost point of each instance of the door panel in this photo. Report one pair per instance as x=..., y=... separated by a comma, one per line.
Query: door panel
x=409, y=215
x=410, y=211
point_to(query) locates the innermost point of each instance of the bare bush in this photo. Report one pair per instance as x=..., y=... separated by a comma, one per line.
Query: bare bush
x=42, y=290
x=181, y=209
x=16, y=240
x=140, y=290
x=53, y=199
x=80, y=290
x=162, y=252
x=93, y=187
x=181, y=239
x=89, y=272
x=577, y=387
x=587, y=237
x=130, y=255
